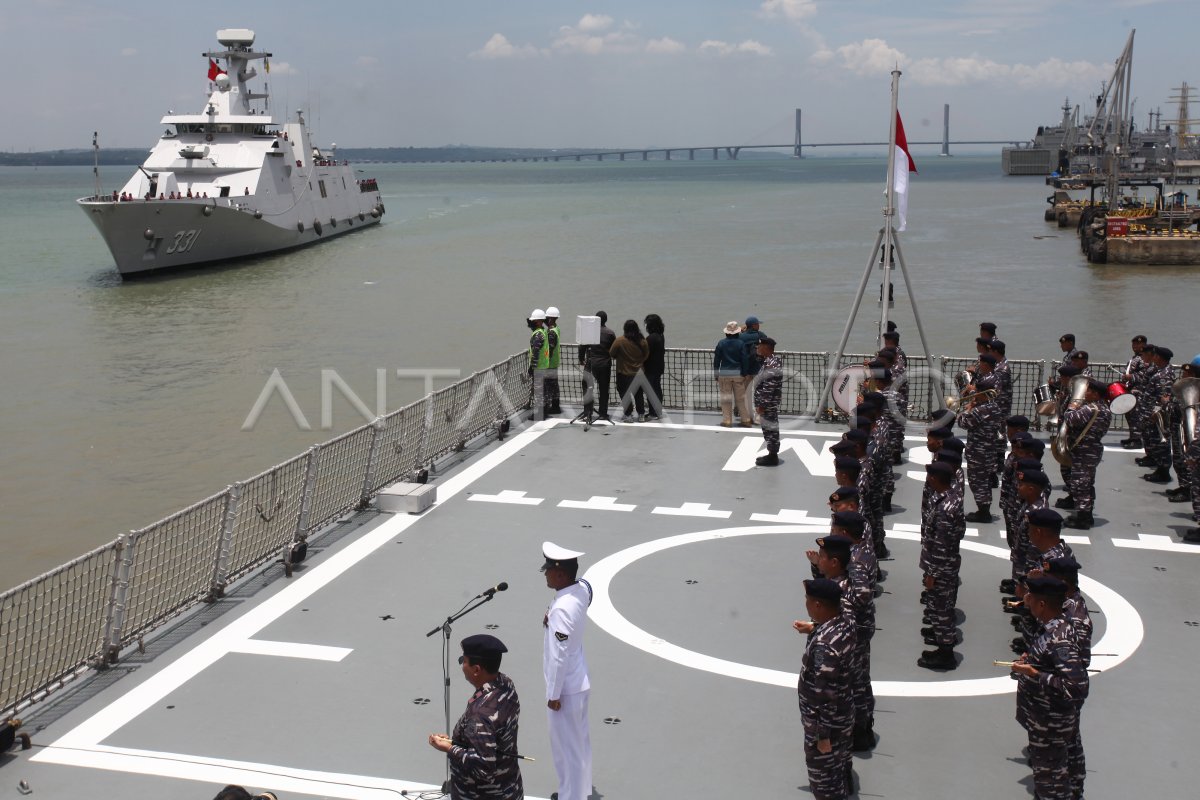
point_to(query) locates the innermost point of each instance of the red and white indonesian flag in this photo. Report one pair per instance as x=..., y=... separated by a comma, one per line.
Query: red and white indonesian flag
x=214, y=70
x=903, y=165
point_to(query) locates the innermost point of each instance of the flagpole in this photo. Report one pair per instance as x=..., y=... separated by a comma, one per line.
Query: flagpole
x=889, y=213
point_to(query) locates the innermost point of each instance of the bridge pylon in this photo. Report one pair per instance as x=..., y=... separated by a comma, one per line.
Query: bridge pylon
x=796, y=149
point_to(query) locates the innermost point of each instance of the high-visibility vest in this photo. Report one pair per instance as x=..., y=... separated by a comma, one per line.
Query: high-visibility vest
x=556, y=353
x=543, y=356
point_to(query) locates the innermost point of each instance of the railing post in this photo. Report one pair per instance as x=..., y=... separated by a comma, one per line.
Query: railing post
x=372, y=462
x=310, y=480
x=1041, y=372
x=118, y=599
x=216, y=588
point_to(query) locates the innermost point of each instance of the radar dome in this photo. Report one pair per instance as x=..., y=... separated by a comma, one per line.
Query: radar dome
x=222, y=82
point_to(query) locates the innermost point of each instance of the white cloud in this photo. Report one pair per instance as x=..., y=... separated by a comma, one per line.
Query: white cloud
x=129, y=51
x=500, y=47
x=794, y=10
x=591, y=37
x=594, y=23
x=876, y=57
x=283, y=68
x=665, y=46
x=726, y=49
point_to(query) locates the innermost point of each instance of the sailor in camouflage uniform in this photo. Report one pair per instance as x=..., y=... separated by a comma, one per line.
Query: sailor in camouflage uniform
x=1075, y=610
x=1158, y=395
x=1044, y=530
x=942, y=530
x=895, y=361
x=768, y=394
x=1032, y=485
x=1087, y=422
x=1004, y=397
x=1014, y=427
x=1052, y=683
x=877, y=466
x=1135, y=381
x=1193, y=456
x=1182, y=492
x=858, y=599
x=826, y=705
x=483, y=749
x=891, y=427
x=981, y=420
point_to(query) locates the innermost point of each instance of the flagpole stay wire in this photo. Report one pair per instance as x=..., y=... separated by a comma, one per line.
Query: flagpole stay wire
x=891, y=243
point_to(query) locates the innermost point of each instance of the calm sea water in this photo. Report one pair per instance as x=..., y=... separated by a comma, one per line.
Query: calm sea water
x=123, y=402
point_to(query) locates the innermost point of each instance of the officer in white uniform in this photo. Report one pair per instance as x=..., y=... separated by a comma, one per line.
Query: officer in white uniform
x=565, y=670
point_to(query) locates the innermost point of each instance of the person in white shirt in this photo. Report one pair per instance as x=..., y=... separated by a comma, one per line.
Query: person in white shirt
x=565, y=670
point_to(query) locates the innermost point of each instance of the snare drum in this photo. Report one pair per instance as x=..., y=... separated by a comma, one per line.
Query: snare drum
x=847, y=384
x=1120, y=401
x=1043, y=399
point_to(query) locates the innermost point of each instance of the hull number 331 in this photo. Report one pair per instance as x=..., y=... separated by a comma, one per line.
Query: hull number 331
x=183, y=241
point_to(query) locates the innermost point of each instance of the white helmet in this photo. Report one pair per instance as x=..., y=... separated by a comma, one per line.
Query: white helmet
x=537, y=314
x=552, y=311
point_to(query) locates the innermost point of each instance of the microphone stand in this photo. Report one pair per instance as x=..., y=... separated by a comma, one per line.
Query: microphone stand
x=445, y=629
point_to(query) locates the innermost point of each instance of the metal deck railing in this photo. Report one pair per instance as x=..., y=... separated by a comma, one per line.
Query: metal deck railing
x=84, y=613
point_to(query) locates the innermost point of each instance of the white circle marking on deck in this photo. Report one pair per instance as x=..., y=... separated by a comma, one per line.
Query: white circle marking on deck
x=1122, y=636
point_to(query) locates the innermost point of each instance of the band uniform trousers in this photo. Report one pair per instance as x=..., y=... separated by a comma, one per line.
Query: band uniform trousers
x=1081, y=481
x=939, y=608
x=1051, y=773
x=829, y=773
x=860, y=679
x=541, y=395
x=1178, y=457
x=571, y=746
x=770, y=428
x=552, y=391
x=1193, y=457
x=980, y=462
x=1157, y=448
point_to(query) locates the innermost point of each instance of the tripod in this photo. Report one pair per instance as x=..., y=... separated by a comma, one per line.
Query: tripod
x=445, y=629
x=588, y=416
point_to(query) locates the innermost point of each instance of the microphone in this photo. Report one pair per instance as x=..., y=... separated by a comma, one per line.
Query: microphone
x=502, y=586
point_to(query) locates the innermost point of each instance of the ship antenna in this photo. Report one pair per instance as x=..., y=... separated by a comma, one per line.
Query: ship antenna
x=96, y=160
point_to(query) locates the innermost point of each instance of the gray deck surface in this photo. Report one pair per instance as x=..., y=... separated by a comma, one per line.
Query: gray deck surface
x=199, y=713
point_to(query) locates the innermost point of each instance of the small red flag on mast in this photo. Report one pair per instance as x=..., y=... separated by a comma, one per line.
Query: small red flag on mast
x=214, y=70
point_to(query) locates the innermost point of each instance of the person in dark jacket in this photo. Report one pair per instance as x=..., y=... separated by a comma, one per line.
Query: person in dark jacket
x=630, y=352
x=597, y=363
x=751, y=335
x=656, y=364
x=729, y=366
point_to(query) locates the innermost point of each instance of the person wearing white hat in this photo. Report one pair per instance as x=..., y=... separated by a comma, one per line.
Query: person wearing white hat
x=553, y=339
x=565, y=670
x=539, y=361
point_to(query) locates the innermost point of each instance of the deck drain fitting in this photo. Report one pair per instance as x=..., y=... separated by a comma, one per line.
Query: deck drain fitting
x=492, y=626
x=420, y=701
x=691, y=581
x=612, y=720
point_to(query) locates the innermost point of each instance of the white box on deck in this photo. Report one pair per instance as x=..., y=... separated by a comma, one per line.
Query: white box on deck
x=410, y=498
x=587, y=330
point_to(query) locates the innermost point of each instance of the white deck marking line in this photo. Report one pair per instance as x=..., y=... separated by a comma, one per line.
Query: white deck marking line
x=598, y=502
x=88, y=734
x=1157, y=541
x=785, y=515
x=316, y=652
x=1070, y=539
x=687, y=426
x=908, y=527
x=1123, y=630
x=507, y=496
x=692, y=510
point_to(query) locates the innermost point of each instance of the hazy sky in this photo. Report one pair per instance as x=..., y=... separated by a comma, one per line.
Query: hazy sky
x=593, y=73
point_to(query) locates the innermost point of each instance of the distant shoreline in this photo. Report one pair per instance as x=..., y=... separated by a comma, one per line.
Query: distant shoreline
x=132, y=157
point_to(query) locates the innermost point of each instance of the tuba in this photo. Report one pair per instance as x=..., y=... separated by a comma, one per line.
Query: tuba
x=1060, y=448
x=1187, y=394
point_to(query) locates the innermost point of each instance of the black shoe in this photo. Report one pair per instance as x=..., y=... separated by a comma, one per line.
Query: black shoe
x=1065, y=502
x=1018, y=646
x=898, y=459
x=880, y=575
x=1130, y=444
x=887, y=503
x=881, y=551
x=983, y=514
x=1144, y=461
x=1179, y=495
x=1160, y=475
x=1080, y=520
x=995, y=481
x=1008, y=586
x=1007, y=604
x=941, y=658
x=862, y=741
x=769, y=460
x=1192, y=536
x=932, y=642
x=1018, y=623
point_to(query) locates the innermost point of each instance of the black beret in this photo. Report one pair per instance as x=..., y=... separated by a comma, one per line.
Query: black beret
x=1099, y=387
x=892, y=335
x=954, y=443
x=847, y=464
x=857, y=436
x=844, y=493
x=988, y=358
x=998, y=345
x=1035, y=477
x=843, y=446
x=1063, y=565
x=824, y=589
x=1046, y=518
x=1165, y=352
x=1017, y=421
x=767, y=340
x=987, y=326
x=859, y=421
x=1045, y=585
x=1036, y=446
x=1067, y=337
x=940, y=468
x=949, y=457
x=875, y=399
x=850, y=520
x=1020, y=437
x=983, y=339
x=1028, y=464
x=837, y=546
x=939, y=433
x=942, y=417
x=1069, y=371
x=482, y=645
x=1083, y=354
x=891, y=326
x=865, y=409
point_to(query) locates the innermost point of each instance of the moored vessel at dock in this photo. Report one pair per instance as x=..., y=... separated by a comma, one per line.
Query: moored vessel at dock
x=230, y=182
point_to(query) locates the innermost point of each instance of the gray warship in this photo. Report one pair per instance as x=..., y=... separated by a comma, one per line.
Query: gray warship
x=230, y=182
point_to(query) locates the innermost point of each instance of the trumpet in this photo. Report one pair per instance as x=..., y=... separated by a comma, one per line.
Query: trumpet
x=967, y=400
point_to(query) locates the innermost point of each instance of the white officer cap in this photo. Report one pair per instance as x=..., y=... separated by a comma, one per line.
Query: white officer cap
x=557, y=556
